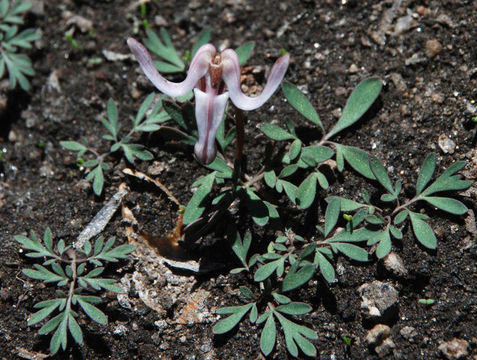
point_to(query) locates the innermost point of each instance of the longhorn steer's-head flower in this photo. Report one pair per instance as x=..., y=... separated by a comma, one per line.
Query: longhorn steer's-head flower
x=209, y=73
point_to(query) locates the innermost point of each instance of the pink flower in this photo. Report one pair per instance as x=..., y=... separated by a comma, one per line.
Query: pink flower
x=209, y=75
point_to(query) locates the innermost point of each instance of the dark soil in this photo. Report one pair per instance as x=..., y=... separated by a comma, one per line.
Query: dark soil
x=334, y=44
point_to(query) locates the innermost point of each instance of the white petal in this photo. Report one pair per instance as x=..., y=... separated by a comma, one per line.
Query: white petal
x=209, y=112
x=231, y=76
x=198, y=68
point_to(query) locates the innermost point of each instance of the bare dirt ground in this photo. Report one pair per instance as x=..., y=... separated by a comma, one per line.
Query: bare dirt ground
x=424, y=51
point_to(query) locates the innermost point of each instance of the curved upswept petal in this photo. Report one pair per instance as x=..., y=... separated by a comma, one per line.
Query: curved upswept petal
x=231, y=77
x=197, y=69
x=209, y=112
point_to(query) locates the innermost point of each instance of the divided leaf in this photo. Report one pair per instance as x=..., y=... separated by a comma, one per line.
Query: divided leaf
x=196, y=205
x=361, y=99
x=427, y=170
x=357, y=159
x=299, y=101
x=227, y=324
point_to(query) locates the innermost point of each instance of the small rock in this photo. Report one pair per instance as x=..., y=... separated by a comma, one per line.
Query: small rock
x=379, y=300
x=385, y=348
x=415, y=59
x=336, y=112
x=437, y=98
x=46, y=171
x=398, y=81
x=454, y=349
x=120, y=330
x=408, y=333
x=114, y=56
x=377, y=334
x=433, y=48
x=340, y=91
x=81, y=22
x=12, y=136
x=160, y=21
x=422, y=10
x=394, y=264
x=378, y=339
x=446, y=144
x=403, y=24
x=470, y=224
x=353, y=69
x=445, y=20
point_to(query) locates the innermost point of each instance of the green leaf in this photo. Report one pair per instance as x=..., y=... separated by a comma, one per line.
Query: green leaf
x=41, y=273
x=315, y=154
x=325, y=266
x=282, y=299
x=306, y=192
x=75, y=329
x=290, y=190
x=380, y=173
x=253, y=313
x=270, y=178
x=268, y=336
x=73, y=146
x=246, y=292
x=259, y=210
x=447, y=181
x=384, y=246
x=264, y=271
x=164, y=48
x=240, y=248
x=332, y=214
x=294, y=308
x=146, y=104
x=427, y=170
x=98, y=180
x=223, y=170
x=388, y=197
x=244, y=51
x=44, y=312
x=346, y=204
x=296, y=278
x=288, y=170
x=51, y=325
x=361, y=99
x=423, y=231
x=112, y=112
x=196, y=205
x=295, y=149
x=92, y=311
x=299, y=101
x=297, y=335
x=375, y=219
x=227, y=324
x=447, y=204
x=357, y=159
x=395, y=232
x=60, y=335
x=352, y=251
x=202, y=39
x=401, y=216
x=275, y=132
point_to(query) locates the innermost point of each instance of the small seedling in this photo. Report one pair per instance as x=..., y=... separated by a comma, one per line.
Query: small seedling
x=77, y=271
x=144, y=121
x=19, y=66
x=72, y=42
